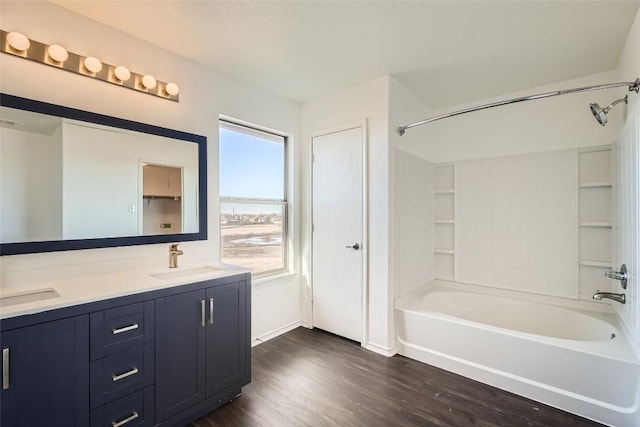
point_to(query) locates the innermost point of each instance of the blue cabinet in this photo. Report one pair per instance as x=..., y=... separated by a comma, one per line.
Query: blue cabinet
x=202, y=350
x=46, y=374
x=227, y=340
x=159, y=358
x=180, y=357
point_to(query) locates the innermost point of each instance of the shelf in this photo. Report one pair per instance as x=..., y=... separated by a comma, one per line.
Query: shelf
x=444, y=221
x=439, y=192
x=601, y=224
x=595, y=184
x=444, y=251
x=148, y=197
x=601, y=264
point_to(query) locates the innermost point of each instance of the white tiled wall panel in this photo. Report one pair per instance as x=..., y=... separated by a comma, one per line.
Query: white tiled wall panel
x=626, y=211
x=591, y=280
x=444, y=178
x=595, y=244
x=444, y=236
x=595, y=166
x=516, y=223
x=443, y=207
x=595, y=204
x=444, y=266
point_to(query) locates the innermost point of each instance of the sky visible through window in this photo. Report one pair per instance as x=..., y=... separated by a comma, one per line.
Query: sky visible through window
x=250, y=167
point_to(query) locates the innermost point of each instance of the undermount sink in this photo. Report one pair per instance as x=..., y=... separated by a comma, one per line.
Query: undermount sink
x=185, y=273
x=28, y=296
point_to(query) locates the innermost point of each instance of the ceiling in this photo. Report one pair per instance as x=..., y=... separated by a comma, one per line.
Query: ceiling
x=446, y=52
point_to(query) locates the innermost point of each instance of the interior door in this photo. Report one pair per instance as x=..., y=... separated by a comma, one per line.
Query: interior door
x=337, y=234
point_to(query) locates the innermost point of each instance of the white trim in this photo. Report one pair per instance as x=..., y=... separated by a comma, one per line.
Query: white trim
x=259, y=282
x=388, y=352
x=363, y=124
x=276, y=332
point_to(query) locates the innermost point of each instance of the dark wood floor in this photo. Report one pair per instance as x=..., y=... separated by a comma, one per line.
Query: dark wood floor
x=312, y=378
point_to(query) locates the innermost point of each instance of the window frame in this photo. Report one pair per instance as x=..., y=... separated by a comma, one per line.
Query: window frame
x=255, y=131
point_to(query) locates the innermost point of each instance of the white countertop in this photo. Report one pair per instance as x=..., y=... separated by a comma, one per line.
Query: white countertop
x=91, y=288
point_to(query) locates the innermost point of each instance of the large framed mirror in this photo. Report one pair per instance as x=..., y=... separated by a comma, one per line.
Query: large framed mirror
x=72, y=179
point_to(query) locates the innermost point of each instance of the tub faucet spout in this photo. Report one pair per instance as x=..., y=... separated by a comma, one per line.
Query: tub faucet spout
x=621, y=298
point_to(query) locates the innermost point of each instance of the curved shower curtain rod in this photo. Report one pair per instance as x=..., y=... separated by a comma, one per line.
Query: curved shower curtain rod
x=633, y=87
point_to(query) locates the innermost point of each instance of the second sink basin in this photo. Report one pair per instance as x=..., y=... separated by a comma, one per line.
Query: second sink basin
x=28, y=296
x=185, y=273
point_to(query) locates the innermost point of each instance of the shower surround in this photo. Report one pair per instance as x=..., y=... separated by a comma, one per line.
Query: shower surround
x=527, y=237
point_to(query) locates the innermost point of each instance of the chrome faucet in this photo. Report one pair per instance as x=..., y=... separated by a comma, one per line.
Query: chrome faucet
x=621, y=298
x=173, y=255
x=621, y=275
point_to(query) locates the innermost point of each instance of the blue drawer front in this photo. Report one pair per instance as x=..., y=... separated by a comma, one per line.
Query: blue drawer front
x=118, y=375
x=134, y=410
x=120, y=329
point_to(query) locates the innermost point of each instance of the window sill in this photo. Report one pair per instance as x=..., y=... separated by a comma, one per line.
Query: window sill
x=272, y=279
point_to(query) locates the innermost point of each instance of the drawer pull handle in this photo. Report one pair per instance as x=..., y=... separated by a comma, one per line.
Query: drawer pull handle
x=5, y=368
x=211, y=311
x=126, y=420
x=117, y=331
x=115, y=378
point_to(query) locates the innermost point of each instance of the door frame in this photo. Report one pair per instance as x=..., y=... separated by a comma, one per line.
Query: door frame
x=365, y=217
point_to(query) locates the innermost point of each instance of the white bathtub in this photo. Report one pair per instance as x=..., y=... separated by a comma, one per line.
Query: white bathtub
x=571, y=359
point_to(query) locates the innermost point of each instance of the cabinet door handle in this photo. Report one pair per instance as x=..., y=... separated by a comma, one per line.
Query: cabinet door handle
x=117, y=331
x=5, y=368
x=118, y=377
x=202, y=313
x=211, y=311
x=126, y=420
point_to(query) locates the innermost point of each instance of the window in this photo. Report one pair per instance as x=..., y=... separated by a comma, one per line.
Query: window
x=253, y=205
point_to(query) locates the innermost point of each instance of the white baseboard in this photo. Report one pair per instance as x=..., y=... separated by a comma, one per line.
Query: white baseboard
x=388, y=352
x=276, y=332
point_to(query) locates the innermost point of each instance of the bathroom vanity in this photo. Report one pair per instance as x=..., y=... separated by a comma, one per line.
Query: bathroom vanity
x=138, y=348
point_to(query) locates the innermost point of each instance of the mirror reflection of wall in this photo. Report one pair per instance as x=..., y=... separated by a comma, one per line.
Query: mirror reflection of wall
x=162, y=204
x=64, y=179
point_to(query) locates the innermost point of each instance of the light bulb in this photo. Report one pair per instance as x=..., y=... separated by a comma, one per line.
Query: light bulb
x=18, y=41
x=93, y=64
x=172, y=89
x=58, y=53
x=149, y=82
x=122, y=73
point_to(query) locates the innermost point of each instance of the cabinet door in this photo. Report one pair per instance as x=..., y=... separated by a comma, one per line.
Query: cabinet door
x=48, y=374
x=180, y=347
x=227, y=344
x=160, y=180
x=175, y=182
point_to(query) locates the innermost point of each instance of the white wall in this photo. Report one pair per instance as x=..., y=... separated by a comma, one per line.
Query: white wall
x=516, y=223
x=31, y=185
x=626, y=235
x=204, y=96
x=102, y=177
x=530, y=127
x=413, y=222
x=369, y=101
x=411, y=198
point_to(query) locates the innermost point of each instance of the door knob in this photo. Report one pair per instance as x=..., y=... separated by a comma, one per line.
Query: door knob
x=355, y=247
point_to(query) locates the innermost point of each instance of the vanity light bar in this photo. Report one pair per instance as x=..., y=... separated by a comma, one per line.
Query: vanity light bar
x=54, y=55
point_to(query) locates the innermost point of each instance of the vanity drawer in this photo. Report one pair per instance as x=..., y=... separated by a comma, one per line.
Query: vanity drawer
x=134, y=410
x=121, y=328
x=118, y=375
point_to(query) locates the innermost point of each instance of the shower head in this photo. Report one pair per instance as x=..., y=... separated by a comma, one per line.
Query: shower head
x=601, y=113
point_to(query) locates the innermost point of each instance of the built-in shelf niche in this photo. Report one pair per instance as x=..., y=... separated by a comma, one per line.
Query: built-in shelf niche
x=595, y=219
x=444, y=221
